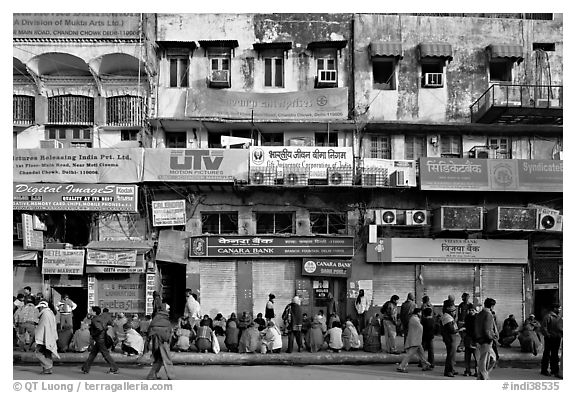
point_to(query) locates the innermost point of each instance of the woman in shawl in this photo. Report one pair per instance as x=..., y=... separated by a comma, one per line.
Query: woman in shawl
x=528, y=337
x=350, y=337
x=159, y=332
x=231, y=340
x=204, y=337
x=81, y=339
x=219, y=324
x=250, y=339
x=156, y=303
x=371, y=336
x=45, y=337
x=272, y=339
x=315, y=335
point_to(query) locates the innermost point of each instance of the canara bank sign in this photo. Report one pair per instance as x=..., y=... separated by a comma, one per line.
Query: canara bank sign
x=326, y=267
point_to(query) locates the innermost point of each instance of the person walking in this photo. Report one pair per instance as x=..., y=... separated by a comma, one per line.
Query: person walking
x=26, y=318
x=406, y=310
x=156, y=303
x=462, y=312
x=553, y=331
x=486, y=333
x=293, y=323
x=45, y=337
x=361, y=306
x=428, y=323
x=450, y=337
x=389, y=321
x=470, y=347
x=98, y=328
x=192, y=309
x=413, y=343
x=159, y=333
x=65, y=307
x=269, y=310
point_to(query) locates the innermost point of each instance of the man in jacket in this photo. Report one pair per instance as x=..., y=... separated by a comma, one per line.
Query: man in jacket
x=406, y=310
x=389, y=321
x=159, y=333
x=26, y=319
x=98, y=328
x=294, y=325
x=45, y=337
x=65, y=307
x=413, y=343
x=449, y=336
x=192, y=309
x=462, y=312
x=553, y=331
x=486, y=332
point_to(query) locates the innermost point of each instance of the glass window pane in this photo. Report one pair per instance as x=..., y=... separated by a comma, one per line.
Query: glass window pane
x=214, y=64
x=337, y=223
x=228, y=223
x=320, y=64
x=318, y=223
x=52, y=134
x=331, y=64
x=267, y=72
x=183, y=73
x=283, y=223
x=279, y=74
x=264, y=223
x=225, y=64
x=173, y=73
x=210, y=223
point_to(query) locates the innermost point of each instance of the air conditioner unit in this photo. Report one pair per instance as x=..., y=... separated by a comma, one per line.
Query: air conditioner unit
x=220, y=78
x=433, y=79
x=386, y=217
x=340, y=176
x=458, y=218
x=262, y=177
x=550, y=221
x=327, y=76
x=51, y=144
x=479, y=152
x=416, y=217
x=292, y=178
x=372, y=233
x=398, y=179
x=511, y=219
x=547, y=103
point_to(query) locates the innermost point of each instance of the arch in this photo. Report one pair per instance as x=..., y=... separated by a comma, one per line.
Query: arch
x=118, y=64
x=59, y=64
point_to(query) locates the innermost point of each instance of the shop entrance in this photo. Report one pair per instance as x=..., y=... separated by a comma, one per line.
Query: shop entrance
x=78, y=295
x=321, y=286
x=543, y=300
x=173, y=287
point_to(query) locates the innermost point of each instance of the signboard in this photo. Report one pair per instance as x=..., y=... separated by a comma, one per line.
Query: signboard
x=80, y=26
x=124, y=293
x=305, y=105
x=168, y=213
x=314, y=159
x=326, y=267
x=150, y=287
x=491, y=175
x=267, y=246
x=87, y=197
x=173, y=246
x=111, y=258
x=32, y=239
x=425, y=250
x=196, y=165
x=121, y=226
x=91, y=290
x=321, y=289
x=78, y=165
x=61, y=261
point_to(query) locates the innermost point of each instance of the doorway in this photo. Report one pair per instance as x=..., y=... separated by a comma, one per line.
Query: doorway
x=543, y=300
x=78, y=295
x=321, y=286
x=173, y=287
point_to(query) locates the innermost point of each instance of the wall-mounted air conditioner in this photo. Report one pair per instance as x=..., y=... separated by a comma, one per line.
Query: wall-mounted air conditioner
x=511, y=219
x=479, y=152
x=549, y=220
x=458, y=218
x=340, y=176
x=262, y=176
x=398, y=179
x=386, y=217
x=220, y=78
x=295, y=178
x=416, y=217
x=433, y=79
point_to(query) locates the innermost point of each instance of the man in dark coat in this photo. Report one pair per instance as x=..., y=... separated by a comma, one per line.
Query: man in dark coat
x=294, y=325
x=553, y=331
x=486, y=332
x=159, y=333
x=98, y=327
x=406, y=310
x=389, y=321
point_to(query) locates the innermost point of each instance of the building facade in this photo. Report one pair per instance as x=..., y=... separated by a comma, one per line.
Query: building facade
x=294, y=154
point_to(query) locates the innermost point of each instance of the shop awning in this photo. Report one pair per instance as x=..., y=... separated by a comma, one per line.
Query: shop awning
x=114, y=248
x=177, y=44
x=327, y=44
x=173, y=246
x=284, y=45
x=24, y=255
x=435, y=49
x=386, y=49
x=513, y=52
x=218, y=43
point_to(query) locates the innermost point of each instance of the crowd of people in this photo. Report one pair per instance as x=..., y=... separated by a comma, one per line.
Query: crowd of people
x=467, y=328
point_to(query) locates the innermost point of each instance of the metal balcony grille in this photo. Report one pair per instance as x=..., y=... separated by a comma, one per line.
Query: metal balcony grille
x=71, y=110
x=125, y=111
x=23, y=110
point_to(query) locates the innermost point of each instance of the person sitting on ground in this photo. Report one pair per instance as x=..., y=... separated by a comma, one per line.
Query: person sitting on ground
x=206, y=317
x=231, y=340
x=350, y=337
x=135, y=322
x=119, y=323
x=243, y=322
x=315, y=335
x=81, y=339
x=306, y=325
x=250, y=339
x=323, y=322
x=219, y=324
x=528, y=336
x=509, y=331
x=334, y=337
x=133, y=344
x=204, y=337
x=271, y=339
x=64, y=337
x=182, y=339
x=333, y=318
x=371, y=336
x=261, y=322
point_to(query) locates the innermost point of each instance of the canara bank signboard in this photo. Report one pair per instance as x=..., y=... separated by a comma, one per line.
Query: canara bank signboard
x=326, y=267
x=80, y=26
x=268, y=246
x=196, y=165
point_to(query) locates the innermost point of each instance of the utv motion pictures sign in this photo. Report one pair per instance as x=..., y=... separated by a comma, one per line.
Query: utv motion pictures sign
x=196, y=165
x=247, y=246
x=87, y=197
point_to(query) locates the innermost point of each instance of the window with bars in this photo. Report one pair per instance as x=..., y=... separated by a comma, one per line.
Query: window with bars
x=125, y=111
x=414, y=147
x=274, y=223
x=71, y=110
x=502, y=147
x=23, y=111
x=220, y=71
x=328, y=223
x=450, y=146
x=70, y=137
x=179, y=67
x=220, y=223
x=274, y=72
x=379, y=147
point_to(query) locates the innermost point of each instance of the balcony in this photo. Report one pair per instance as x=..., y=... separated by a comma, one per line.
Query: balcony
x=23, y=110
x=519, y=104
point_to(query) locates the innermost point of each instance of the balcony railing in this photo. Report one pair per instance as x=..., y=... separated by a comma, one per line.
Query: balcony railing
x=23, y=112
x=71, y=110
x=125, y=111
x=519, y=104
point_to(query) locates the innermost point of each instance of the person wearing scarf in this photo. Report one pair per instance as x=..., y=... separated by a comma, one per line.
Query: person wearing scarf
x=272, y=339
x=231, y=340
x=372, y=336
x=361, y=306
x=350, y=337
x=315, y=335
x=250, y=339
x=450, y=336
x=45, y=338
x=159, y=333
x=81, y=339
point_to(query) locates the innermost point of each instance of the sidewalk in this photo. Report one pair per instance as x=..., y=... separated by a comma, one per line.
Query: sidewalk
x=512, y=354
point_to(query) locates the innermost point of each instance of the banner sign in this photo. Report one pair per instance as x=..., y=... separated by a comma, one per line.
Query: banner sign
x=59, y=261
x=326, y=267
x=315, y=159
x=491, y=175
x=196, y=165
x=78, y=165
x=111, y=258
x=425, y=250
x=316, y=104
x=150, y=288
x=122, y=294
x=80, y=26
x=268, y=246
x=32, y=239
x=168, y=213
x=88, y=197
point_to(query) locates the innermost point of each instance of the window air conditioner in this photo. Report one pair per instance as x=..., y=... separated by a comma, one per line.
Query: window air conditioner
x=339, y=176
x=398, y=179
x=550, y=220
x=51, y=144
x=327, y=76
x=220, y=78
x=386, y=217
x=433, y=79
x=479, y=152
x=416, y=217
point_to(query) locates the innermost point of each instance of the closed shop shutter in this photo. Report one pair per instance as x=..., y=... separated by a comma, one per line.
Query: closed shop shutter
x=393, y=279
x=277, y=277
x=441, y=280
x=505, y=284
x=218, y=287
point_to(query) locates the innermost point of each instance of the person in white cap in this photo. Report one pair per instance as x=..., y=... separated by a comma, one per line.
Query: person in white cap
x=45, y=337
